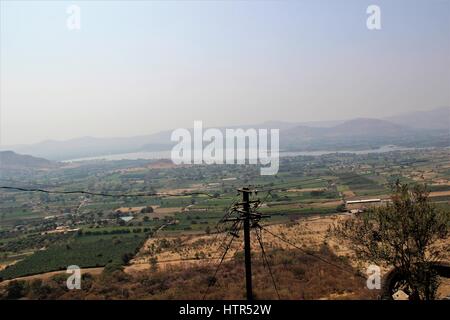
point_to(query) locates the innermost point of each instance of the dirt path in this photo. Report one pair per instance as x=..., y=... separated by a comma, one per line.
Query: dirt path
x=306, y=189
x=48, y=275
x=440, y=193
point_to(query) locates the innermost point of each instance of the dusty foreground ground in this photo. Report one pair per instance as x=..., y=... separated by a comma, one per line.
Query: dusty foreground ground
x=189, y=256
x=189, y=250
x=308, y=234
x=193, y=249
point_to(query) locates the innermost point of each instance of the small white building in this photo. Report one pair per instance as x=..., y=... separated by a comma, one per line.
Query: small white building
x=127, y=218
x=362, y=201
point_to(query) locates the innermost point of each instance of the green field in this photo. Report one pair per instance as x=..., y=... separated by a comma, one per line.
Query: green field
x=83, y=251
x=321, y=183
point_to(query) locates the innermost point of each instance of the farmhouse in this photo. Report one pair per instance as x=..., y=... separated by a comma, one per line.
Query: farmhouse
x=127, y=218
x=362, y=204
x=362, y=201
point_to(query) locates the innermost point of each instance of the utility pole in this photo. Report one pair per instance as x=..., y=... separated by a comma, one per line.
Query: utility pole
x=250, y=218
x=247, y=248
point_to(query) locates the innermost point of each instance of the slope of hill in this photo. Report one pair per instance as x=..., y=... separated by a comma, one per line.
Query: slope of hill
x=12, y=160
x=355, y=128
x=434, y=119
x=89, y=147
x=367, y=127
x=347, y=128
x=361, y=134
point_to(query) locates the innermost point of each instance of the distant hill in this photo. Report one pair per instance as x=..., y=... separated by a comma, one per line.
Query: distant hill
x=356, y=133
x=352, y=128
x=414, y=129
x=12, y=160
x=89, y=147
x=438, y=119
x=368, y=127
x=283, y=125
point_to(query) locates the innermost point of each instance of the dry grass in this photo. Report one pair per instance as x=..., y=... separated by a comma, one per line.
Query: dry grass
x=206, y=249
x=298, y=276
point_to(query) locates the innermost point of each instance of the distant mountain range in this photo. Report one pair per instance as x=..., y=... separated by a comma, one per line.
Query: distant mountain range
x=413, y=129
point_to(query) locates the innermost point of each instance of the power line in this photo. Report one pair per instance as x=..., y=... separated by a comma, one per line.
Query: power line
x=258, y=236
x=269, y=193
x=212, y=282
x=235, y=228
x=228, y=212
x=114, y=195
x=246, y=213
x=309, y=253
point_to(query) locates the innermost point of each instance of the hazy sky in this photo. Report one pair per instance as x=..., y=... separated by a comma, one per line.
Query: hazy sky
x=144, y=66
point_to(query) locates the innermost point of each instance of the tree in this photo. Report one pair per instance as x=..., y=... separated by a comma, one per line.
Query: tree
x=147, y=209
x=126, y=257
x=15, y=290
x=153, y=263
x=341, y=208
x=402, y=234
x=112, y=267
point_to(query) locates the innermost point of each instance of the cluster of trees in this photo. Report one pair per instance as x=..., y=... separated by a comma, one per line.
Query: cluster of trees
x=32, y=241
x=112, y=231
x=147, y=209
x=82, y=251
x=403, y=234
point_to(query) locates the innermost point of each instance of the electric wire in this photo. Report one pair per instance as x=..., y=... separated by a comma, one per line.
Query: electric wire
x=116, y=195
x=309, y=253
x=212, y=282
x=258, y=236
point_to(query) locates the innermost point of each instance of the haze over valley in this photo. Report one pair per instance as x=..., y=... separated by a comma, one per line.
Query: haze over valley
x=415, y=129
x=124, y=174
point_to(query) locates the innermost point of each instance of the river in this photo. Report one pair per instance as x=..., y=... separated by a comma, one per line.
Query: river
x=157, y=155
